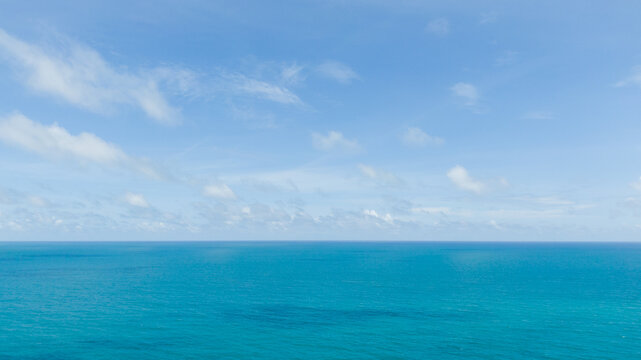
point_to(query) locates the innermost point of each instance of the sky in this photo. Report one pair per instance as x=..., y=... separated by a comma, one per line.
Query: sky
x=320, y=120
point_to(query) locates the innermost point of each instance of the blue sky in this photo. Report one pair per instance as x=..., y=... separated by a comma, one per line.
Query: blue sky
x=320, y=120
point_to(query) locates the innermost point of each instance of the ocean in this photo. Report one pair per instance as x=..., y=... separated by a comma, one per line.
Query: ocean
x=320, y=300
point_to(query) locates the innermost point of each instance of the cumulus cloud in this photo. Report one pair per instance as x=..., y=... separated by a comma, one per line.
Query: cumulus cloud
x=334, y=140
x=80, y=76
x=439, y=27
x=55, y=142
x=337, y=71
x=467, y=92
x=417, y=138
x=459, y=176
x=219, y=191
x=378, y=175
x=137, y=200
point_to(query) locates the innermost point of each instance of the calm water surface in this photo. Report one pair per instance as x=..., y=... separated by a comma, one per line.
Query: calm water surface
x=319, y=301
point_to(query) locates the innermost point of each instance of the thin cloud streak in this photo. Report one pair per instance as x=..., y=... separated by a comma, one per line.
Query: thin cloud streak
x=80, y=76
x=57, y=143
x=337, y=71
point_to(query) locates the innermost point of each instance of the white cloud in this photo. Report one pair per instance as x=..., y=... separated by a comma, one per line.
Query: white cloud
x=467, y=92
x=219, y=191
x=55, y=142
x=266, y=90
x=417, y=137
x=372, y=213
x=459, y=176
x=137, y=200
x=334, y=140
x=495, y=225
x=80, y=76
x=378, y=175
x=439, y=27
x=337, y=71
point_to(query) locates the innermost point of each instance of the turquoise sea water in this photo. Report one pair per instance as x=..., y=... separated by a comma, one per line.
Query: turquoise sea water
x=319, y=301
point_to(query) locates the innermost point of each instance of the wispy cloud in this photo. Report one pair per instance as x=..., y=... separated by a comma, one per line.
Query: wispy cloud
x=265, y=90
x=546, y=200
x=379, y=176
x=55, y=142
x=440, y=26
x=292, y=74
x=38, y=201
x=417, y=138
x=467, y=92
x=633, y=79
x=337, y=71
x=432, y=210
x=233, y=84
x=80, y=76
x=460, y=177
x=219, y=191
x=334, y=140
